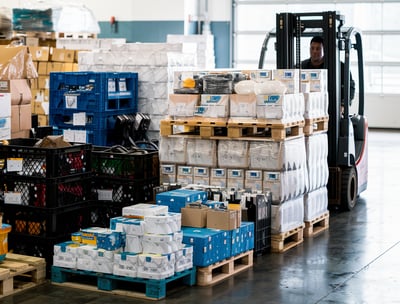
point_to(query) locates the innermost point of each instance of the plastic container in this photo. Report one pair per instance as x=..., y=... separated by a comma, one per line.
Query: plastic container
x=5, y=229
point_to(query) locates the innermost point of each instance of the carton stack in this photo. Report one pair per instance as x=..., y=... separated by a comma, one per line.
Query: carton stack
x=154, y=63
x=16, y=70
x=48, y=60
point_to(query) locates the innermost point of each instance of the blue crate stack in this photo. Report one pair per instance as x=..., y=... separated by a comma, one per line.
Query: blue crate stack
x=91, y=102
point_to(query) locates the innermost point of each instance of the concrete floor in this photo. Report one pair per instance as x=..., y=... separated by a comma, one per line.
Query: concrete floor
x=355, y=261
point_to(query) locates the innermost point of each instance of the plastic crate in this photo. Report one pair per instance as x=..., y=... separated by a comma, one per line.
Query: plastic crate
x=50, y=222
x=259, y=212
x=90, y=120
x=46, y=192
x=100, y=91
x=124, y=192
x=21, y=158
x=120, y=162
x=103, y=137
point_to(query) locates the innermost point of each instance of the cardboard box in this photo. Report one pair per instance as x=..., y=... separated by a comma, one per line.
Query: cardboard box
x=55, y=67
x=213, y=106
x=21, y=118
x=218, y=177
x=40, y=53
x=20, y=92
x=194, y=215
x=62, y=55
x=42, y=68
x=182, y=104
x=16, y=63
x=243, y=105
x=222, y=219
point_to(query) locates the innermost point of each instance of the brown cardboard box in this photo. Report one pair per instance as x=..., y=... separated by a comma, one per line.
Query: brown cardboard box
x=55, y=67
x=42, y=68
x=40, y=53
x=16, y=63
x=21, y=118
x=43, y=120
x=63, y=55
x=43, y=82
x=222, y=219
x=20, y=92
x=194, y=215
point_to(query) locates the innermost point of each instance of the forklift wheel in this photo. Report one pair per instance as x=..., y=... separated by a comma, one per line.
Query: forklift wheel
x=349, y=188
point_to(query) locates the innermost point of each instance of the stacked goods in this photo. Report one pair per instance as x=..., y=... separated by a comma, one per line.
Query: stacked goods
x=145, y=242
x=48, y=60
x=314, y=84
x=84, y=106
x=16, y=70
x=201, y=45
x=154, y=63
x=47, y=192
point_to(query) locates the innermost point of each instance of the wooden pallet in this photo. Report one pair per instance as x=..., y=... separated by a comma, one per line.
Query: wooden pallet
x=221, y=128
x=259, y=128
x=317, y=225
x=120, y=285
x=53, y=35
x=20, y=272
x=219, y=271
x=203, y=127
x=316, y=125
x=284, y=241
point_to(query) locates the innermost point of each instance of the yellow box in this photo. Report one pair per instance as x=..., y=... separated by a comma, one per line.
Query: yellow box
x=42, y=68
x=43, y=82
x=63, y=55
x=55, y=67
x=43, y=120
x=40, y=53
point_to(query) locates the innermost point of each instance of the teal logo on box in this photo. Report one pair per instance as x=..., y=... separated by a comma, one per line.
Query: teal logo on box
x=268, y=99
x=214, y=99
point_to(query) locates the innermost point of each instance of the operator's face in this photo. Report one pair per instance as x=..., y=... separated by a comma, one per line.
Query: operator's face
x=316, y=52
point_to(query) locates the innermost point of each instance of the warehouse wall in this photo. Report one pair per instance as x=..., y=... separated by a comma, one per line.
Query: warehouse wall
x=152, y=20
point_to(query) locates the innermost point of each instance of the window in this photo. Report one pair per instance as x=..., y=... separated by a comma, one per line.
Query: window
x=377, y=20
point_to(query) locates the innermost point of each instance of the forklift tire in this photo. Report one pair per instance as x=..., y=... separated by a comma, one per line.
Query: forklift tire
x=349, y=188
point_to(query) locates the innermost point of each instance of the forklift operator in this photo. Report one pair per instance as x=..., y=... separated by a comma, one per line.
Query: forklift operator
x=316, y=61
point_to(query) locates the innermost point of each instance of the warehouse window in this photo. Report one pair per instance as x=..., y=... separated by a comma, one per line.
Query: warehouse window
x=377, y=20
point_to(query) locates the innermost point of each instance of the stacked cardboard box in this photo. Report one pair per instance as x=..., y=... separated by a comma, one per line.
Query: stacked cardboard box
x=16, y=70
x=48, y=60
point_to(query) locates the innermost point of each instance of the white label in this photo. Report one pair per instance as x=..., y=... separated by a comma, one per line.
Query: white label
x=80, y=136
x=79, y=119
x=71, y=101
x=122, y=85
x=14, y=164
x=111, y=85
x=104, y=195
x=13, y=198
x=69, y=135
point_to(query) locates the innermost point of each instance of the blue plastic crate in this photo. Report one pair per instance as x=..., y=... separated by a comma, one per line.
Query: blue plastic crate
x=91, y=120
x=100, y=91
x=102, y=137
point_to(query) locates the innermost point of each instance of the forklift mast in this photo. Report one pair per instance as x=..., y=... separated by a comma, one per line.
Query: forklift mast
x=344, y=150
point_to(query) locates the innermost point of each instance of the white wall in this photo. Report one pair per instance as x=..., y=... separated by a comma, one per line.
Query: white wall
x=134, y=10
x=383, y=111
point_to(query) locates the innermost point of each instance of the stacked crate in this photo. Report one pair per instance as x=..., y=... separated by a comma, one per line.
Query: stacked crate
x=154, y=63
x=122, y=177
x=46, y=193
x=84, y=106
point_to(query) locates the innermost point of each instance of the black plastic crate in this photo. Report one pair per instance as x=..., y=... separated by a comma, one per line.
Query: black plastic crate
x=46, y=192
x=259, y=212
x=101, y=213
x=124, y=191
x=120, y=162
x=20, y=157
x=50, y=222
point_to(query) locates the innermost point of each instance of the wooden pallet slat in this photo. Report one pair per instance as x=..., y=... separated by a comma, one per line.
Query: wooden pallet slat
x=284, y=241
x=222, y=270
x=317, y=225
x=19, y=272
x=316, y=125
x=108, y=283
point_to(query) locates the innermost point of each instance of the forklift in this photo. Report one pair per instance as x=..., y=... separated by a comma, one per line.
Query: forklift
x=347, y=133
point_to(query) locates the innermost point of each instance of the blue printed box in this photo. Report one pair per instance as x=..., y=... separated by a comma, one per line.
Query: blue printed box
x=177, y=199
